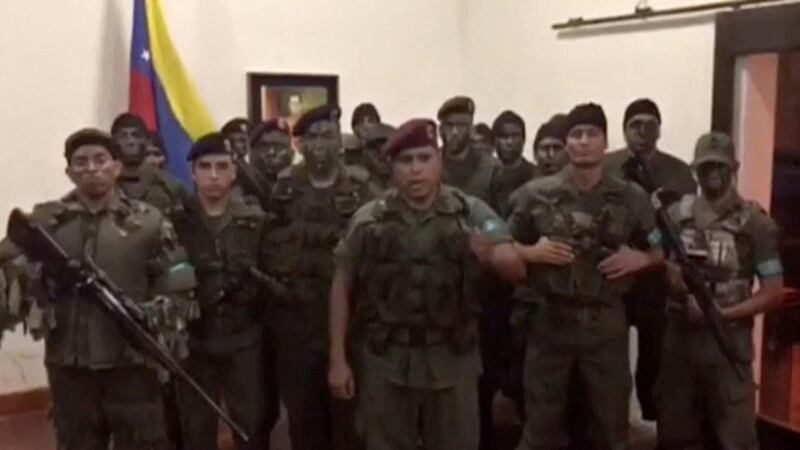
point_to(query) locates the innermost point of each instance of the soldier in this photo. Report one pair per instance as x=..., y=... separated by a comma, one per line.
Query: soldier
x=375, y=161
x=647, y=299
x=313, y=201
x=103, y=389
x=509, y=132
x=139, y=181
x=407, y=267
x=575, y=229
x=472, y=171
x=155, y=153
x=699, y=396
x=481, y=138
x=363, y=115
x=548, y=146
x=237, y=132
x=226, y=242
x=270, y=151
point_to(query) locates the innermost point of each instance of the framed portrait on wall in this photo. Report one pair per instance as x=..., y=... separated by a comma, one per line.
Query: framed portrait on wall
x=287, y=96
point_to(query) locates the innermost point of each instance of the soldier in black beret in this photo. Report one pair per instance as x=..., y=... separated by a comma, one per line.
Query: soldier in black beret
x=548, y=146
x=140, y=181
x=271, y=149
x=237, y=131
x=313, y=201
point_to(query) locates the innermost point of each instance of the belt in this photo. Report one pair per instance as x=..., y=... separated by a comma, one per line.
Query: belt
x=418, y=336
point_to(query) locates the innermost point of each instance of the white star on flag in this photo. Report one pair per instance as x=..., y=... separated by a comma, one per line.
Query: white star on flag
x=146, y=55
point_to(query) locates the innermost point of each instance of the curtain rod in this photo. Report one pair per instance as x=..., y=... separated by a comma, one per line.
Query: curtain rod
x=646, y=12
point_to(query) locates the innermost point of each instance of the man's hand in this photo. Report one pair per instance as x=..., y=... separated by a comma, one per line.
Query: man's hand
x=341, y=381
x=624, y=261
x=546, y=251
x=482, y=248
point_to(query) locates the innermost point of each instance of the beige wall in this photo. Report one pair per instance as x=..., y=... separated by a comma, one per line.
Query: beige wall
x=513, y=59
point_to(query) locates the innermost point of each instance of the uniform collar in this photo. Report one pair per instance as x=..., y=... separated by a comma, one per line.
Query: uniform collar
x=448, y=203
x=119, y=202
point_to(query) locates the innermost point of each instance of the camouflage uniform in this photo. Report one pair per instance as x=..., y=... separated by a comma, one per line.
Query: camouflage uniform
x=698, y=394
x=103, y=390
x=578, y=325
x=415, y=324
x=646, y=300
x=310, y=223
x=228, y=343
x=155, y=187
x=509, y=179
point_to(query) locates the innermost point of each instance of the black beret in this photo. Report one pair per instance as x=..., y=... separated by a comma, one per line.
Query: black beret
x=364, y=110
x=210, y=144
x=312, y=116
x=269, y=126
x=641, y=106
x=129, y=120
x=412, y=134
x=90, y=136
x=505, y=117
x=556, y=128
x=587, y=114
x=456, y=105
x=482, y=129
x=236, y=125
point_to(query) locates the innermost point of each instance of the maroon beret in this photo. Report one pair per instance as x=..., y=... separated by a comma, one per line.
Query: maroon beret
x=413, y=134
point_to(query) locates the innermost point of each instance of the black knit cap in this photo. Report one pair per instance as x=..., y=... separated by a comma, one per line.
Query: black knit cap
x=312, y=116
x=90, y=136
x=236, y=125
x=505, y=117
x=555, y=128
x=210, y=144
x=129, y=120
x=641, y=106
x=587, y=114
x=364, y=110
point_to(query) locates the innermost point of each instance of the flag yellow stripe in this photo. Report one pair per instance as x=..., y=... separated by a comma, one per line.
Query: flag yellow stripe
x=186, y=104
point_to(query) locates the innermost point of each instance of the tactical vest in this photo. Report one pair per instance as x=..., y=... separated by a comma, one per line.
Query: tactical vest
x=229, y=296
x=594, y=232
x=718, y=250
x=155, y=188
x=416, y=281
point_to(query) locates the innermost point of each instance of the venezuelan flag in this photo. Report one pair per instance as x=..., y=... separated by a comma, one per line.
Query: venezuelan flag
x=161, y=91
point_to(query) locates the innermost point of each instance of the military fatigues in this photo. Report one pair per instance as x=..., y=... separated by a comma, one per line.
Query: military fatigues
x=228, y=342
x=155, y=187
x=698, y=394
x=310, y=223
x=578, y=326
x=509, y=179
x=102, y=388
x=415, y=320
x=646, y=300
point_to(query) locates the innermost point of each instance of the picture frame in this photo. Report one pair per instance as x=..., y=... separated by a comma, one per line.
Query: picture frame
x=286, y=96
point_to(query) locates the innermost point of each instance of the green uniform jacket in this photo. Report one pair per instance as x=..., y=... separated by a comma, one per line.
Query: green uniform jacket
x=476, y=175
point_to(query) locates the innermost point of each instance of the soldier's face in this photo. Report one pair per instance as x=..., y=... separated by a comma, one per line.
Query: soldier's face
x=93, y=170
x=418, y=172
x=550, y=155
x=510, y=142
x=360, y=127
x=240, y=143
x=715, y=178
x=375, y=160
x=642, y=132
x=272, y=153
x=133, y=143
x=154, y=157
x=481, y=142
x=320, y=145
x=214, y=175
x=454, y=132
x=586, y=146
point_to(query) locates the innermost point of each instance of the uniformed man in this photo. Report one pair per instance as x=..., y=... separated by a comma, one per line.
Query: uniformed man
x=237, y=132
x=466, y=168
x=270, y=151
x=155, y=153
x=105, y=393
x=407, y=267
x=699, y=396
x=363, y=115
x=647, y=299
x=375, y=161
x=226, y=242
x=548, y=146
x=575, y=230
x=509, y=132
x=313, y=201
x=139, y=181
x=481, y=138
